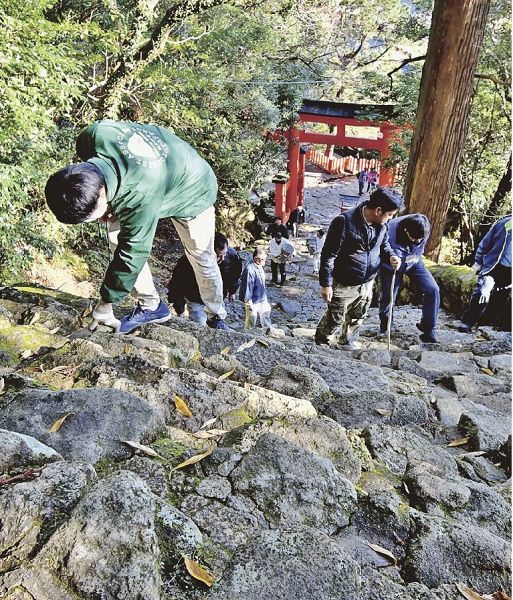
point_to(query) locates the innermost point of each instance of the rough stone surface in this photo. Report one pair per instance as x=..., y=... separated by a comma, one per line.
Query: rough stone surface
x=18, y=450
x=473, y=384
x=293, y=486
x=272, y=567
x=299, y=382
x=32, y=510
x=115, y=519
x=99, y=419
x=485, y=428
x=441, y=552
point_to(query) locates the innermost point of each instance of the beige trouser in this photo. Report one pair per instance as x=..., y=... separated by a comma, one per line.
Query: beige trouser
x=197, y=236
x=258, y=309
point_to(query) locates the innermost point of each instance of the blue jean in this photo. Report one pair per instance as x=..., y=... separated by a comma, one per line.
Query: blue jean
x=421, y=279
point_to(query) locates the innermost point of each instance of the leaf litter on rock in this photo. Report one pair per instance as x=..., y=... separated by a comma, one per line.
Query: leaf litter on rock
x=58, y=424
x=383, y=552
x=182, y=407
x=227, y=374
x=246, y=345
x=144, y=449
x=198, y=572
x=194, y=459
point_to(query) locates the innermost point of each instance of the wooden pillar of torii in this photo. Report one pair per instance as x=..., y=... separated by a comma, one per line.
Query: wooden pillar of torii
x=289, y=195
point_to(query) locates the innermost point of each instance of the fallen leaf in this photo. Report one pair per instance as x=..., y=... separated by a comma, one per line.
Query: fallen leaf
x=487, y=371
x=496, y=596
x=247, y=386
x=263, y=343
x=217, y=431
x=383, y=552
x=57, y=425
x=202, y=435
x=246, y=345
x=459, y=442
x=467, y=592
x=26, y=353
x=145, y=449
x=384, y=412
x=227, y=374
x=35, y=318
x=194, y=459
x=2, y=385
x=225, y=351
x=87, y=311
x=406, y=488
x=182, y=407
x=198, y=572
x=209, y=422
x=55, y=330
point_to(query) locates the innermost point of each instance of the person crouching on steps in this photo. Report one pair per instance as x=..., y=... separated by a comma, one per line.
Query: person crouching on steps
x=280, y=250
x=356, y=242
x=252, y=291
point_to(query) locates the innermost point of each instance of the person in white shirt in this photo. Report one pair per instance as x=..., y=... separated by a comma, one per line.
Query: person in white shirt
x=315, y=244
x=280, y=250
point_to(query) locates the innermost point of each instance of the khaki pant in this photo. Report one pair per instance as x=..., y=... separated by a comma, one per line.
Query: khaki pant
x=197, y=236
x=346, y=311
x=258, y=309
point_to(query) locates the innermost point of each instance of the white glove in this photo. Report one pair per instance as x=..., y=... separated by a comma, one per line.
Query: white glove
x=486, y=289
x=476, y=268
x=103, y=314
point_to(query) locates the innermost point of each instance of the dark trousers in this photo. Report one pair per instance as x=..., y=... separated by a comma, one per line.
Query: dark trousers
x=483, y=313
x=274, y=271
x=424, y=282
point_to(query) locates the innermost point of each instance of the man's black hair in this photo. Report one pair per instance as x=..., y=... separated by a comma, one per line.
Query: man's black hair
x=220, y=241
x=417, y=226
x=385, y=198
x=72, y=193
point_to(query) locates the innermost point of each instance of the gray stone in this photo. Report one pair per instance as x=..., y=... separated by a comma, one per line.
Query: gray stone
x=272, y=567
x=442, y=552
x=448, y=408
x=115, y=520
x=501, y=362
x=214, y=487
x=473, y=384
x=321, y=436
x=290, y=307
x=299, y=382
x=375, y=357
x=100, y=419
x=396, y=446
x=151, y=472
x=293, y=486
x=222, y=363
x=32, y=510
x=18, y=450
x=30, y=583
x=178, y=534
x=183, y=346
x=303, y=332
x=434, y=365
x=408, y=384
x=363, y=408
x=486, y=429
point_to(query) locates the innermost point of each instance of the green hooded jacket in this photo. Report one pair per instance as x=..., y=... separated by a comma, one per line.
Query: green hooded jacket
x=149, y=174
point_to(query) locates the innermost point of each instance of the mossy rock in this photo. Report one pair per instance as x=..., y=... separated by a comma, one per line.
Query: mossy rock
x=16, y=340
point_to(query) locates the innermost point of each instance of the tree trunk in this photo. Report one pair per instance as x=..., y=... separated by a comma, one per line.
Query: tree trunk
x=446, y=90
x=496, y=203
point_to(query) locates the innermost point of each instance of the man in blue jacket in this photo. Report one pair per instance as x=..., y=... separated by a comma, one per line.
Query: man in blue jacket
x=408, y=236
x=356, y=243
x=252, y=291
x=493, y=265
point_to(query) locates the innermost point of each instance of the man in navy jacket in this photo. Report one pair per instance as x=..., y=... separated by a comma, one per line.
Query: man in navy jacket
x=408, y=236
x=356, y=243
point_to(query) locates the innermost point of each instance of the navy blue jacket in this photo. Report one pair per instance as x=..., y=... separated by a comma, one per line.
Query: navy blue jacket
x=347, y=256
x=402, y=247
x=495, y=244
x=183, y=285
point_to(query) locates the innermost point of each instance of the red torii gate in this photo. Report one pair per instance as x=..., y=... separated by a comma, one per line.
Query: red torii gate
x=339, y=116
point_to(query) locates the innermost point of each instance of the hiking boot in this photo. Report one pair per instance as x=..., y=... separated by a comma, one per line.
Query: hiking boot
x=428, y=338
x=140, y=316
x=216, y=322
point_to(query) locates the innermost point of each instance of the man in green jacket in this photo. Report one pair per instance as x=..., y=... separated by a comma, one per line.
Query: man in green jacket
x=132, y=176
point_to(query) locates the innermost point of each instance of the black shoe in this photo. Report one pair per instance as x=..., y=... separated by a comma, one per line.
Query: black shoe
x=465, y=328
x=282, y=282
x=216, y=322
x=428, y=339
x=322, y=342
x=421, y=327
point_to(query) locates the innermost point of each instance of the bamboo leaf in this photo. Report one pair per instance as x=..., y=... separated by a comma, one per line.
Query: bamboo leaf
x=35, y=318
x=467, y=592
x=227, y=374
x=487, y=371
x=459, y=442
x=58, y=424
x=208, y=423
x=194, y=459
x=246, y=345
x=198, y=572
x=145, y=449
x=182, y=407
x=263, y=343
x=225, y=351
x=383, y=552
x=2, y=385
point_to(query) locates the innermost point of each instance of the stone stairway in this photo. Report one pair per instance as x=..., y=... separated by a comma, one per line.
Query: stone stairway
x=319, y=473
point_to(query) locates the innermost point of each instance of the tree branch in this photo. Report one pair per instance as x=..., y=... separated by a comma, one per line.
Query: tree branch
x=405, y=62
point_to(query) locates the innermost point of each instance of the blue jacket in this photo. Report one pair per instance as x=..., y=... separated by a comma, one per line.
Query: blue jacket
x=347, y=255
x=409, y=253
x=493, y=246
x=252, y=285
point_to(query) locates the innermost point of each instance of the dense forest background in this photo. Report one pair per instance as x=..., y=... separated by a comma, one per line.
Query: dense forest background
x=219, y=73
